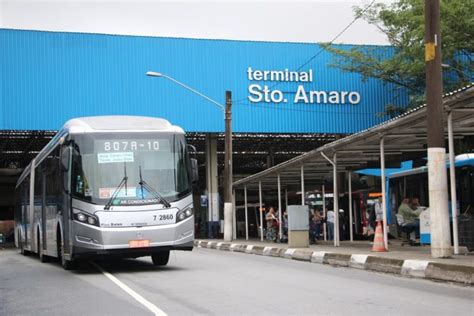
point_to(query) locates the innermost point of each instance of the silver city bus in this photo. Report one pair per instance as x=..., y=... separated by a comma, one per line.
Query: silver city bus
x=108, y=185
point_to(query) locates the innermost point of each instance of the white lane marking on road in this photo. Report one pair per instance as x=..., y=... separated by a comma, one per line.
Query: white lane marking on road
x=140, y=299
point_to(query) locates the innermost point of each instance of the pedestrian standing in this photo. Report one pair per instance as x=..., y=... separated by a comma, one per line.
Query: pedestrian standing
x=330, y=223
x=272, y=223
x=313, y=223
x=378, y=210
x=285, y=226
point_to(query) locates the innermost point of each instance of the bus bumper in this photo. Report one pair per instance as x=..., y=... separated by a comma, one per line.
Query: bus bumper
x=95, y=241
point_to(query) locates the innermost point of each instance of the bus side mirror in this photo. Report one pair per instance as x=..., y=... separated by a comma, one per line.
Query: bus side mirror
x=65, y=158
x=194, y=170
x=192, y=151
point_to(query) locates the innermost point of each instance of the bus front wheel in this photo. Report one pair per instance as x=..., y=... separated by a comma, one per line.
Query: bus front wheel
x=160, y=258
x=66, y=264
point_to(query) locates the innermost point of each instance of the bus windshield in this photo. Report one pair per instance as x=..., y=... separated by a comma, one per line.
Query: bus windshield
x=102, y=161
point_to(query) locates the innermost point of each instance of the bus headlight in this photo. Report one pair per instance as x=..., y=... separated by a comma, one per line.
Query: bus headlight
x=91, y=220
x=81, y=217
x=85, y=218
x=185, y=213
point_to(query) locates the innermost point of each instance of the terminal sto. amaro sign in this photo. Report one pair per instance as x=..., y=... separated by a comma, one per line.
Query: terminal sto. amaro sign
x=271, y=94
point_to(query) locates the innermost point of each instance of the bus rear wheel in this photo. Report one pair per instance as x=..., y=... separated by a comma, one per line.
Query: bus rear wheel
x=42, y=257
x=23, y=251
x=160, y=258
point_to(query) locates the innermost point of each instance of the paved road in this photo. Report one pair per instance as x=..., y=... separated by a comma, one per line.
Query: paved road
x=219, y=283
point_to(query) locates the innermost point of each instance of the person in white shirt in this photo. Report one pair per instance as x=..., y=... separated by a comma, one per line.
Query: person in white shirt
x=330, y=224
x=378, y=210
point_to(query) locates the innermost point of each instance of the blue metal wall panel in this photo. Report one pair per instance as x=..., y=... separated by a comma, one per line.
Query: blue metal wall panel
x=49, y=77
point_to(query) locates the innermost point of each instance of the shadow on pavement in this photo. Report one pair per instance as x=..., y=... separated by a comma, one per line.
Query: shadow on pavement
x=119, y=265
x=112, y=264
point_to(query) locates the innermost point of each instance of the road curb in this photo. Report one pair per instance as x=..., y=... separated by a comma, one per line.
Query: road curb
x=421, y=269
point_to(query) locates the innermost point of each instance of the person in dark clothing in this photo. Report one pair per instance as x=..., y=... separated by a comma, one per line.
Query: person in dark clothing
x=315, y=226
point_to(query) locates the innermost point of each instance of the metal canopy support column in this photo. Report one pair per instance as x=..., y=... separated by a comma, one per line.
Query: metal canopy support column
x=335, y=197
x=246, y=215
x=384, y=197
x=349, y=175
x=286, y=200
x=324, y=213
x=279, y=208
x=302, y=184
x=260, y=209
x=452, y=178
x=212, y=185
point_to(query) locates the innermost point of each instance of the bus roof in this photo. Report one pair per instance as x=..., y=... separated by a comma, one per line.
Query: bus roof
x=460, y=161
x=106, y=123
x=119, y=123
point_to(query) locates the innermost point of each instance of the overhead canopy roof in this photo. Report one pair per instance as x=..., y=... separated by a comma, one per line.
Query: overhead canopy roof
x=405, y=137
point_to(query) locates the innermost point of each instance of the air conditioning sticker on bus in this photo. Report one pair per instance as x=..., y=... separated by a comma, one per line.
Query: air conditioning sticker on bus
x=106, y=193
x=115, y=157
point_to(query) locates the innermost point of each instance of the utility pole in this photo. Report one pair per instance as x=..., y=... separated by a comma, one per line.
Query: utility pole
x=228, y=209
x=437, y=176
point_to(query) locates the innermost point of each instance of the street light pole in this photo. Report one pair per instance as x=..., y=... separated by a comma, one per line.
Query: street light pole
x=227, y=109
x=228, y=212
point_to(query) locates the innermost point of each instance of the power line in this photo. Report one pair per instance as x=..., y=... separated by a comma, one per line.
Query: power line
x=337, y=36
x=322, y=48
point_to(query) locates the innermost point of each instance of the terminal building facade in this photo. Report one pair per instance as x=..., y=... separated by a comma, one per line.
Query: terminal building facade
x=288, y=98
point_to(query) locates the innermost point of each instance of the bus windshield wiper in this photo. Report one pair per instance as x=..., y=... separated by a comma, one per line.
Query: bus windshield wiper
x=122, y=183
x=144, y=184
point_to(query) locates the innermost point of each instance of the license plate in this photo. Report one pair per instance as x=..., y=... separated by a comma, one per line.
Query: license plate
x=139, y=243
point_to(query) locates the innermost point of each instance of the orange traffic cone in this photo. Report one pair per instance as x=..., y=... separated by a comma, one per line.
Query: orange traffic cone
x=379, y=245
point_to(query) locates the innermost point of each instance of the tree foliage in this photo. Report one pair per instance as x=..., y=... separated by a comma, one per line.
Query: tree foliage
x=402, y=64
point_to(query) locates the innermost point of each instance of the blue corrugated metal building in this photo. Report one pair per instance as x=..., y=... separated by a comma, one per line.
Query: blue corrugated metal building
x=49, y=77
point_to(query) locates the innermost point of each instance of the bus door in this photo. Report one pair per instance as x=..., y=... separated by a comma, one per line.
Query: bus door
x=66, y=210
x=30, y=217
x=25, y=206
x=43, y=210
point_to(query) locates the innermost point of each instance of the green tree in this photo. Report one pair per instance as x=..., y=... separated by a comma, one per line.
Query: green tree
x=403, y=63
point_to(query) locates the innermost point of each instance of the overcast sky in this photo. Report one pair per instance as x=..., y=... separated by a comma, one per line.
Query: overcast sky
x=289, y=21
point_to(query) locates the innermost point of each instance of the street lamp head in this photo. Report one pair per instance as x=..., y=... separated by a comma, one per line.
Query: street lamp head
x=154, y=74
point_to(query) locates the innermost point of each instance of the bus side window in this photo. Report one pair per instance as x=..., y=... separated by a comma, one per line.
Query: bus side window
x=26, y=199
x=63, y=168
x=54, y=185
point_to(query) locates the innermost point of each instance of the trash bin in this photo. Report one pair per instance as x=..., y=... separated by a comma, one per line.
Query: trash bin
x=425, y=230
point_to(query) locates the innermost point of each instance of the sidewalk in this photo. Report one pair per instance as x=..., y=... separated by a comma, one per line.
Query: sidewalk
x=404, y=260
